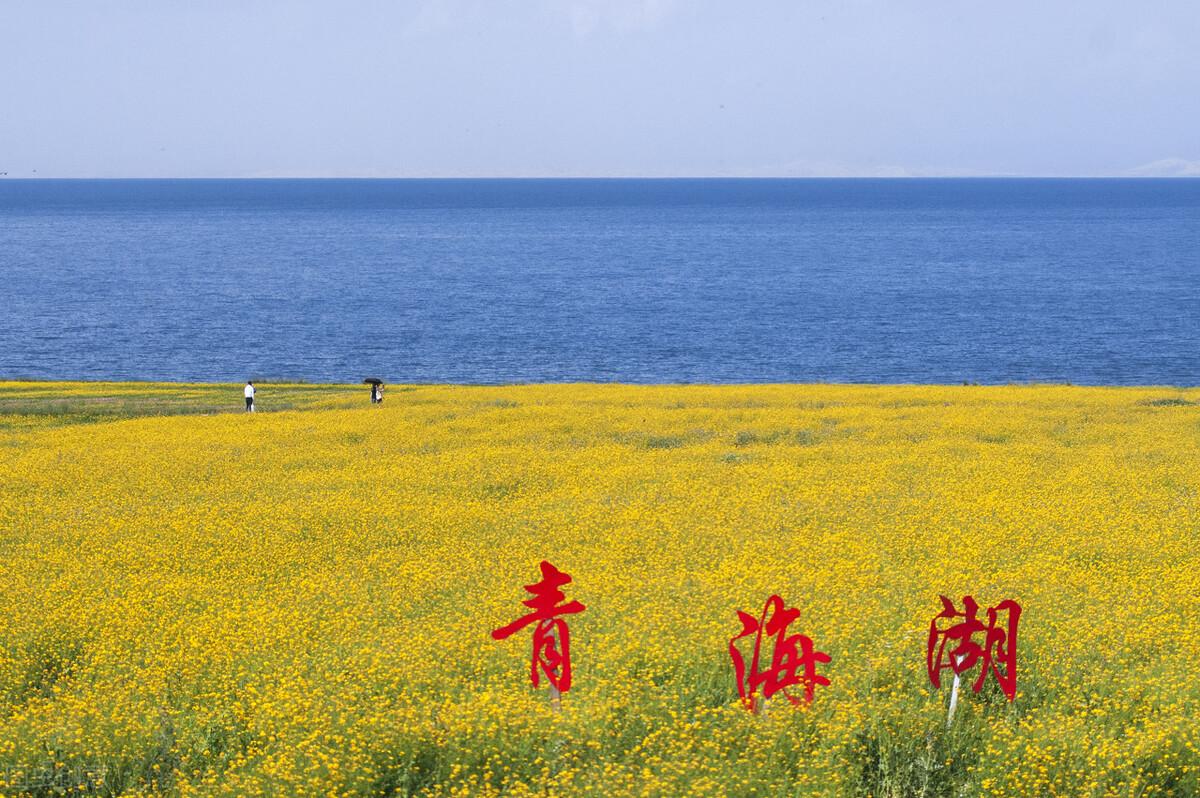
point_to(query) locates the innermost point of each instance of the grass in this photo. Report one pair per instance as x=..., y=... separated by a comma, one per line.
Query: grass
x=199, y=601
x=57, y=404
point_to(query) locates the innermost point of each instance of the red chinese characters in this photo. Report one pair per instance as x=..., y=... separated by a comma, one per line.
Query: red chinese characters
x=953, y=643
x=551, y=637
x=790, y=660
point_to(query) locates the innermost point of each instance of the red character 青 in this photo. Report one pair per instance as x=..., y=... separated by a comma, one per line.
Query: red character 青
x=953, y=646
x=792, y=658
x=551, y=637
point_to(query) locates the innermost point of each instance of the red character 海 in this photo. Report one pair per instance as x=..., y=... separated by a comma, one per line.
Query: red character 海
x=792, y=659
x=953, y=647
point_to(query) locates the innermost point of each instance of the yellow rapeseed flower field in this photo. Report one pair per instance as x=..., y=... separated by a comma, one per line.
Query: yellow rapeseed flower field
x=300, y=602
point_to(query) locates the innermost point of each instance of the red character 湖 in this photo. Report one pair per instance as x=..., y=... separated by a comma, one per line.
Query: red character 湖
x=792, y=659
x=953, y=646
x=551, y=637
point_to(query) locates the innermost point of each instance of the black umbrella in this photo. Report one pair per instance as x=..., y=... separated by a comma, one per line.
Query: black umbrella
x=372, y=381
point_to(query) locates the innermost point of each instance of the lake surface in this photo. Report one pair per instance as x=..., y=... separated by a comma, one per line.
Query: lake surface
x=897, y=281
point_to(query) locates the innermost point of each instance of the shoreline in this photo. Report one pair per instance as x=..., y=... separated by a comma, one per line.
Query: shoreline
x=126, y=385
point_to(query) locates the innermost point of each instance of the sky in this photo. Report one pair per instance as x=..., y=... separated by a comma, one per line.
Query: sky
x=609, y=88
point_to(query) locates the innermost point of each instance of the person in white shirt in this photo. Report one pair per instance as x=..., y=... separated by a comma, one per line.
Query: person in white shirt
x=249, y=393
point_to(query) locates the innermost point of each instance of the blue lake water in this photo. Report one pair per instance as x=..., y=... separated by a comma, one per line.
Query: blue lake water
x=991, y=281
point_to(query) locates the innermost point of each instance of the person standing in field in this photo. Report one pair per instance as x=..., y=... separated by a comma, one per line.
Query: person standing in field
x=249, y=394
x=376, y=390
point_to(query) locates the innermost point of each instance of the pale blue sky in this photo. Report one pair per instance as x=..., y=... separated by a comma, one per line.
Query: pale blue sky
x=599, y=87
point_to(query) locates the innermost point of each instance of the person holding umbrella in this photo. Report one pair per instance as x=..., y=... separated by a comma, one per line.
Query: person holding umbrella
x=376, y=389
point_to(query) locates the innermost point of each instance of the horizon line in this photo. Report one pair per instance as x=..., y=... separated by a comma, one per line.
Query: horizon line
x=12, y=178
